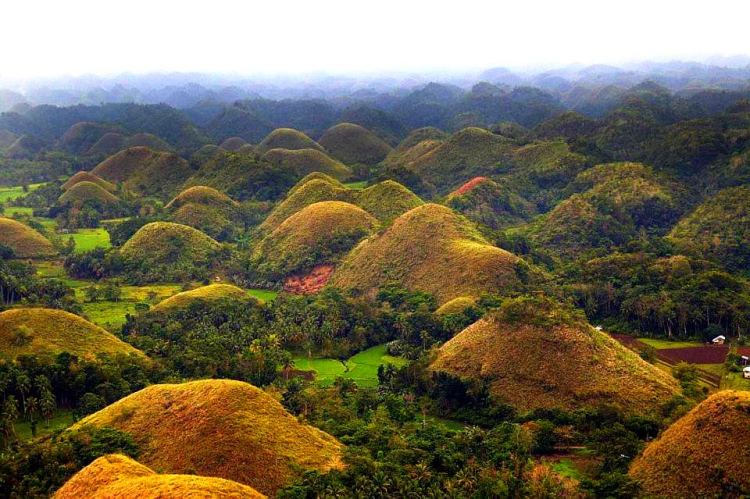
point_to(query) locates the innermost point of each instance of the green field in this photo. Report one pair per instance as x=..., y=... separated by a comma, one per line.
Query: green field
x=356, y=185
x=659, y=344
x=263, y=294
x=567, y=468
x=16, y=191
x=735, y=381
x=88, y=239
x=362, y=368
x=61, y=420
x=10, y=211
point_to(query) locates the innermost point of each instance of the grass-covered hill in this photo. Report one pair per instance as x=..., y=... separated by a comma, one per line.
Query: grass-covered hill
x=47, y=332
x=23, y=240
x=287, y=138
x=113, y=142
x=466, y=154
x=306, y=161
x=430, y=248
x=81, y=136
x=233, y=144
x=407, y=149
x=387, y=200
x=84, y=176
x=220, y=428
x=166, y=250
x=205, y=209
x=354, y=144
x=201, y=194
x=87, y=191
x=204, y=294
x=719, y=228
x=456, y=305
x=116, y=475
x=6, y=138
x=145, y=171
x=25, y=147
x=703, y=454
x=536, y=355
x=489, y=203
x=319, y=233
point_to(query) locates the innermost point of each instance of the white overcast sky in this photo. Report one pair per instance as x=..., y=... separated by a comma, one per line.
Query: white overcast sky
x=105, y=37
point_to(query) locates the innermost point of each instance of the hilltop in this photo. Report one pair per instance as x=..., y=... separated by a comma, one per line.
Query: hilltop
x=318, y=233
x=287, y=138
x=536, y=355
x=233, y=144
x=48, y=332
x=145, y=171
x=81, y=136
x=718, y=228
x=306, y=161
x=387, y=200
x=353, y=144
x=703, y=454
x=205, y=294
x=220, y=428
x=112, y=143
x=87, y=191
x=84, y=176
x=430, y=248
x=205, y=209
x=489, y=203
x=201, y=194
x=415, y=144
x=115, y=475
x=23, y=240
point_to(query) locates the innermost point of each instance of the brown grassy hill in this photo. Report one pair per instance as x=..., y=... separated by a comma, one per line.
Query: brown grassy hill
x=306, y=161
x=315, y=176
x=145, y=172
x=387, y=200
x=119, y=476
x=23, y=240
x=429, y=248
x=24, y=147
x=87, y=191
x=48, y=332
x=318, y=233
x=468, y=153
x=489, y=203
x=84, y=176
x=81, y=136
x=149, y=140
x=200, y=194
x=706, y=453
x=206, y=294
x=220, y=428
x=168, y=244
x=456, y=305
x=233, y=144
x=212, y=221
x=417, y=143
x=419, y=135
x=109, y=143
x=287, y=138
x=353, y=144
x=535, y=354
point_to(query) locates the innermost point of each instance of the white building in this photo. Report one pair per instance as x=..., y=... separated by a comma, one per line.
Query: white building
x=719, y=340
x=746, y=372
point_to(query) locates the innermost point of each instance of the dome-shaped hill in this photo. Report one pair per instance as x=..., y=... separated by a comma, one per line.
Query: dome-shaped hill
x=48, y=332
x=420, y=135
x=318, y=233
x=205, y=294
x=718, y=228
x=84, y=176
x=24, y=147
x=533, y=355
x=353, y=144
x=109, y=143
x=432, y=249
x=119, y=476
x=233, y=144
x=213, y=221
x=306, y=161
x=144, y=171
x=287, y=138
x=312, y=191
x=407, y=157
x=703, y=454
x=23, y=240
x=488, y=203
x=168, y=244
x=315, y=176
x=220, y=428
x=456, y=305
x=387, y=200
x=87, y=191
x=81, y=136
x=247, y=150
x=468, y=153
x=201, y=194
x=149, y=140
x=7, y=138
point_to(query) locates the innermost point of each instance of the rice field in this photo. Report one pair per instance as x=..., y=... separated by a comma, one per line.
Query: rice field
x=362, y=368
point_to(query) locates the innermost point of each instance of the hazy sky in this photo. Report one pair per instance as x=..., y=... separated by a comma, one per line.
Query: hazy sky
x=71, y=37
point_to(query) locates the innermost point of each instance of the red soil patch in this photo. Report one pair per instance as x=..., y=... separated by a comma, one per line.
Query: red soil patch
x=696, y=355
x=309, y=283
x=468, y=186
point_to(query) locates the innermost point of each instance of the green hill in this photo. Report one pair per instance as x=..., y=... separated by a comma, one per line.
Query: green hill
x=432, y=249
x=719, y=228
x=81, y=136
x=87, y=191
x=415, y=144
x=48, y=332
x=145, y=172
x=233, y=144
x=387, y=200
x=536, y=355
x=703, y=454
x=306, y=161
x=112, y=143
x=318, y=233
x=212, y=221
x=115, y=475
x=201, y=194
x=23, y=240
x=205, y=294
x=287, y=138
x=489, y=203
x=220, y=428
x=84, y=176
x=352, y=144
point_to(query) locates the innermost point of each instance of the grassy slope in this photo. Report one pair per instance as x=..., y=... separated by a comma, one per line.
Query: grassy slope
x=352, y=144
x=362, y=367
x=210, y=293
x=154, y=241
x=287, y=138
x=306, y=161
x=50, y=332
x=201, y=194
x=222, y=428
x=25, y=241
x=84, y=176
x=85, y=190
x=387, y=200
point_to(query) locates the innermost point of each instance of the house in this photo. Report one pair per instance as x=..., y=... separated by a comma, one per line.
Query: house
x=744, y=360
x=746, y=372
x=719, y=340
